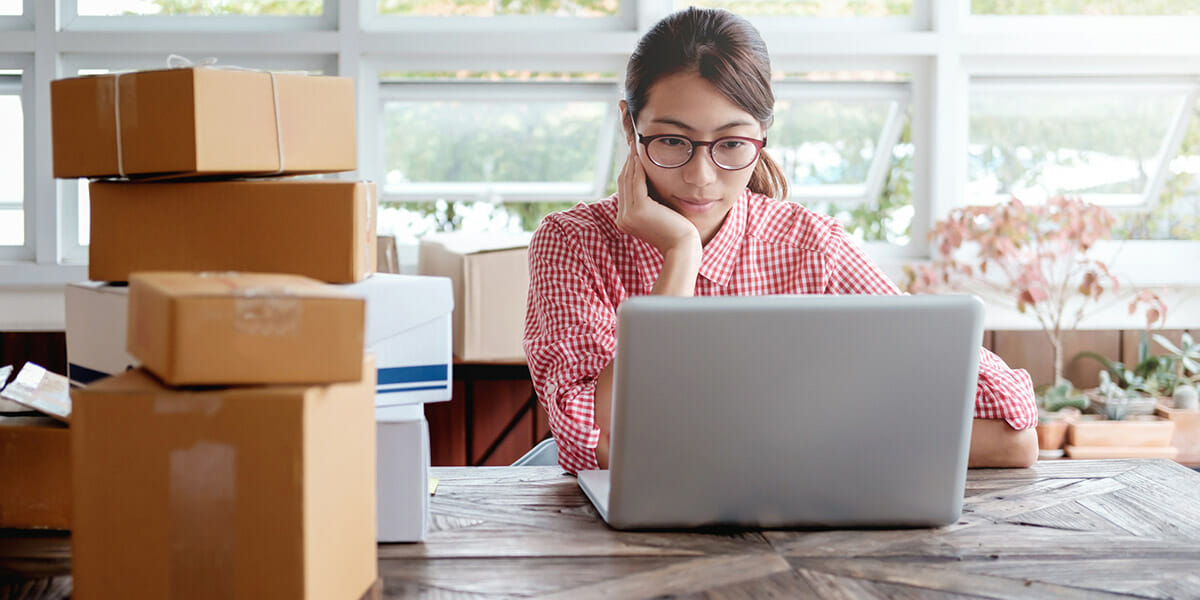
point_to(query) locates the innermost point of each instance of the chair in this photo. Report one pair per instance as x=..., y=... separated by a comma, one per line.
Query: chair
x=544, y=454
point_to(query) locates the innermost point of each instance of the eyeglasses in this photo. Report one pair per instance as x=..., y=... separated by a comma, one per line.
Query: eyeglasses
x=731, y=153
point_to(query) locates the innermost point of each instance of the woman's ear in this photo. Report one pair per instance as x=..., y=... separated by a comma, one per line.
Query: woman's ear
x=626, y=122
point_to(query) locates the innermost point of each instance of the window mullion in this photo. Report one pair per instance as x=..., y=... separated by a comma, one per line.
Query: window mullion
x=1170, y=148
x=888, y=138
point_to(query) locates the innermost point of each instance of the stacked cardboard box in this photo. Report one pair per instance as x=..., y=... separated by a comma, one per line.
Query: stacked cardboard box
x=178, y=135
x=261, y=482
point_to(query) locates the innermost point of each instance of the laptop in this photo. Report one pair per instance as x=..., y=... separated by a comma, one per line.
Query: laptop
x=790, y=412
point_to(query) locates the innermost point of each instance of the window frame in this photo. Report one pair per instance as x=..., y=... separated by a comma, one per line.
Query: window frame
x=941, y=45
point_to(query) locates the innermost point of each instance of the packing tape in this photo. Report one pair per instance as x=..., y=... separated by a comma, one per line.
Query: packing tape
x=368, y=247
x=203, y=519
x=261, y=310
x=175, y=61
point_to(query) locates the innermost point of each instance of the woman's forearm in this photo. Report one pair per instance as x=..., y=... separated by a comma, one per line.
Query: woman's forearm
x=996, y=444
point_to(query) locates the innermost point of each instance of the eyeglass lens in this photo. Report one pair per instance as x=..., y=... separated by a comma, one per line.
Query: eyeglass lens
x=728, y=153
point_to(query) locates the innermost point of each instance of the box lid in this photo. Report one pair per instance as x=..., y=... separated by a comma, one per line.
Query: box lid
x=396, y=303
x=101, y=287
x=460, y=242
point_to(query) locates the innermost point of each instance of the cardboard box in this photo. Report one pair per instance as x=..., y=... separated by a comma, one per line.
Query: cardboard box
x=35, y=473
x=321, y=229
x=244, y=328
x=97, y=316
x=408, y=331
x=240, y=492
x=490, y=274
x=203, y=121
x=402, y=472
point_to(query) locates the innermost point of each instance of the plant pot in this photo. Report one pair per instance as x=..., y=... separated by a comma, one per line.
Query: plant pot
x=1187, y=433
x=1051, y=435
x=1136, y=437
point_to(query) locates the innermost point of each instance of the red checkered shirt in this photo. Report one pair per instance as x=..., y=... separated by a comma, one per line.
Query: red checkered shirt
x=581, y=268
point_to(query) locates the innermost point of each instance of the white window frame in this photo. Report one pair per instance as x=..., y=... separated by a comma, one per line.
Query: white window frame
x=940, y=45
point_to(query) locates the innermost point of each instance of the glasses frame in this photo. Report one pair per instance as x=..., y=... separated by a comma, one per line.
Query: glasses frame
x=758, y=144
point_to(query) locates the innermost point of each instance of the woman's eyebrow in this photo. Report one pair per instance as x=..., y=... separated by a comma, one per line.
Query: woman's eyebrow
x=685, y=126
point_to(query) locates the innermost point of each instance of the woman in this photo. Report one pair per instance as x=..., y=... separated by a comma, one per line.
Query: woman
x=699, y=211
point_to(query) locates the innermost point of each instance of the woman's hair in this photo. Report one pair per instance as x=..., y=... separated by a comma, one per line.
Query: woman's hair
x=725, y=50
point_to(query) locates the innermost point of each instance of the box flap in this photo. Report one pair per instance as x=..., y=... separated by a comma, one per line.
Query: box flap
x=226, y=283
x=460, y=242
x=396, y=303
x=41, y=390
x=101, y=287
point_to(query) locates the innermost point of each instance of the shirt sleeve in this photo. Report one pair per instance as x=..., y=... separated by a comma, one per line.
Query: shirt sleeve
x=1001, y=392
x=570, y=336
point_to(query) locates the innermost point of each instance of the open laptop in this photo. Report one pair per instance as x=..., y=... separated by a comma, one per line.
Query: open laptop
x=790, y=411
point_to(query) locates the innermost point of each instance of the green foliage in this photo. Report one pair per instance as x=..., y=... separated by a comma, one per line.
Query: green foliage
x=484, y=8
x=1085, y=7
x=1152, y=375
x=1061, y=395
x=241, y=7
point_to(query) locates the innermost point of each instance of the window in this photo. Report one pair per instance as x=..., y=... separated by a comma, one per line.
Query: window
x=12, y=162
x=809, y=8
x=490, y=151
x=890, y=112
x=1085, y=7
x=1104, y=142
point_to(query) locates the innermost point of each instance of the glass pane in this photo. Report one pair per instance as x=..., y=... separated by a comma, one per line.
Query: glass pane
x=510, y=75
x=408, y=221
x=109, y=8
x=476, y=142
x=1085, y=7
x=1176, y=214
x=12, y=172
x=808, y=8
x=826, y=146
x=11, y=7
x=491, y=8
x=887, y=218
x=1098, y=143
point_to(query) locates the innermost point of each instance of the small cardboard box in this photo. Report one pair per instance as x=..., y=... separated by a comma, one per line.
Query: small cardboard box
x=408, y=331
x=402, y=470
x=321, y=229
x=240, y=492
x=490, y=274
x=203, y=121
x=35, y=473
x=244, y=328
x=97, y=316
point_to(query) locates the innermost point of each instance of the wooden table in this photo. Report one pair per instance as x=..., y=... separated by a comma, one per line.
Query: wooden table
x=1063, y=529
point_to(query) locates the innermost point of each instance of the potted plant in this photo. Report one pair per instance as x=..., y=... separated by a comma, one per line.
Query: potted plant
x=1058, y=407
x=1036, y=257
x=1183, y=409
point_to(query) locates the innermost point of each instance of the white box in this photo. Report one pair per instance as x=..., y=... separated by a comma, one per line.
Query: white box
x=408, y=330
x=402, y=473
x=97, y=313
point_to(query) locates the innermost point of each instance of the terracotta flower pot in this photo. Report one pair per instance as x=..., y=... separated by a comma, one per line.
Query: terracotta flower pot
x=1051, y=435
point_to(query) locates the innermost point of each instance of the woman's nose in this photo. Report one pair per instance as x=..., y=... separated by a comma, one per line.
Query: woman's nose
x=701, y=170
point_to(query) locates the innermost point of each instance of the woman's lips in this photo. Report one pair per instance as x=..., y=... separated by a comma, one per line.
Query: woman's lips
x=696, y=204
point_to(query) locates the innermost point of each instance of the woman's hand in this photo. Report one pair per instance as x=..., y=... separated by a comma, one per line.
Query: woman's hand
x=643, y=217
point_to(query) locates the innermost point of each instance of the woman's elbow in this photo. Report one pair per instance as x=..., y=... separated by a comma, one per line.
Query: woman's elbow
x=995, y=444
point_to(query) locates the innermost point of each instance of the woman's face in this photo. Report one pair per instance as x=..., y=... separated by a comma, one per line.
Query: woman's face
x=685, y=104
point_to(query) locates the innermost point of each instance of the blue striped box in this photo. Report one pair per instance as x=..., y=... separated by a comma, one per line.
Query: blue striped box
x=408, y=330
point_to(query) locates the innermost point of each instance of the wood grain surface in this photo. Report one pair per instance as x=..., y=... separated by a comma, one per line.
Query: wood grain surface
x=1062, y=529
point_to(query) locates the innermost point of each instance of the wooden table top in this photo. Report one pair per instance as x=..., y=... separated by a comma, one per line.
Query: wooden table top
x=1063, y=529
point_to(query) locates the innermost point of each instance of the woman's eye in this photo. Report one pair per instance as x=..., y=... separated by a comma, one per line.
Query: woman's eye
x=732, y=144
x=674, y=142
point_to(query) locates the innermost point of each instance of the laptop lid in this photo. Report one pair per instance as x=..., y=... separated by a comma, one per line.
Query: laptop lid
x=784, y=411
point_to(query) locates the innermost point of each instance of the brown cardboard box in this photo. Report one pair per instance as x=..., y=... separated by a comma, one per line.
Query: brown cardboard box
x=321, y=229
x=35, y=473
x=490, y=274
x=205, y=121
x=244, y=328
x=241, y=492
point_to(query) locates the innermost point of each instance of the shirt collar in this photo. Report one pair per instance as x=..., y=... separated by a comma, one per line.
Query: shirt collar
x=720, y=254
